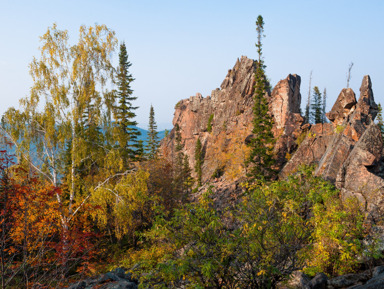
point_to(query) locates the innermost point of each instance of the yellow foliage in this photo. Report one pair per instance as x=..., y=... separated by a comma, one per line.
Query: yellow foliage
x=230, y=154
x=124, y=205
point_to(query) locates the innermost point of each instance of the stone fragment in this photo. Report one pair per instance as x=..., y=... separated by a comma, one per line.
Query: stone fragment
x=320, y=281
x=344, y=105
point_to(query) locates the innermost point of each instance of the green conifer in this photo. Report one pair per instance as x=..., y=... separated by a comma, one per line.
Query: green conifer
x=198, y=160
x=324, y=120
x=317, y=106
x=152, y=139
x=379, y=119
x=182, y=181
x=308, y=105
x=127, y=133
x=261, y=160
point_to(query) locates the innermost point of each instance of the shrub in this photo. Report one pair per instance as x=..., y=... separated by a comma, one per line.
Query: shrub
x=209, y=125
x=277, y=228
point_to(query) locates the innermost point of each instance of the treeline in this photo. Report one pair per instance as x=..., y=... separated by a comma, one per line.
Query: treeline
x=81, y=186
x=316, y=104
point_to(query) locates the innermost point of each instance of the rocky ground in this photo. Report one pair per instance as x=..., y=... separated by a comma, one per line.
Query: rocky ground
x=369, y=279
x=116, y=279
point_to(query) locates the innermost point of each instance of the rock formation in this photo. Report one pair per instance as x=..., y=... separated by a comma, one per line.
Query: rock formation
x=230, y=109
x=348, y=151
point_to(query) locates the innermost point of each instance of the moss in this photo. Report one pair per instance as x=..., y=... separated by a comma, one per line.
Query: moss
x=178, y=104
x=301, y=138
x=339, y=129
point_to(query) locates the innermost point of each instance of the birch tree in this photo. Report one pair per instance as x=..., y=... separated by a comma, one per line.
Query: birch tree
x=67, y=79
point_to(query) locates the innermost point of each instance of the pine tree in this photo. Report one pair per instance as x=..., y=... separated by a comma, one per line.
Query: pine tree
x=152, y=139
x=308, y=106
x=261, y=160
x=316, y=106
x=127, y=132
x=324, y=120
x=380, y=121
x=186, y=175
x=182, y=181
x=198, y=160
x=178, y=148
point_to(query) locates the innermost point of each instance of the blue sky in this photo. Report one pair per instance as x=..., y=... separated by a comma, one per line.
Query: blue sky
x=179, y=48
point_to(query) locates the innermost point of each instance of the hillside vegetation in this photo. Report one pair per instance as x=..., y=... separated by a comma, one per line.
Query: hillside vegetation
x=242, y=193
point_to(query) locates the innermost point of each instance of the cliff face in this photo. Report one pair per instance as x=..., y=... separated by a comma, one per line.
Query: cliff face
x=348, y=151
x=230, y=110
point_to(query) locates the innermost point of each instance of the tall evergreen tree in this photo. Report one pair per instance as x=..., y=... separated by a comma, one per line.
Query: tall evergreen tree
x=316, y=106
x=127, y=132
x=198, y=160
x=379, y=119
x=261, y=160
x=324, y=105
x=182, y=181
x=308, y=106
x=349, y=73
x=152, y=139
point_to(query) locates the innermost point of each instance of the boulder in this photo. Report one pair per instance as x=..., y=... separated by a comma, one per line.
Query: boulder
x=348, y=280
x=344, y=105
x=297, y=280
x=311, y=149
x=320, y=281
x=116, y=279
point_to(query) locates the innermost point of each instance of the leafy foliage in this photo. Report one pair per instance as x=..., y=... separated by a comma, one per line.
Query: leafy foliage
x=123, y=205
x=277, y=228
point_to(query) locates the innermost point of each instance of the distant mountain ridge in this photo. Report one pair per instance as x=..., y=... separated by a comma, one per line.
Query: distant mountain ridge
x=144, y=134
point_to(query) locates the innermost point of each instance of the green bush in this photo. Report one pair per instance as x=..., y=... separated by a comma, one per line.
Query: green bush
x=277, y=228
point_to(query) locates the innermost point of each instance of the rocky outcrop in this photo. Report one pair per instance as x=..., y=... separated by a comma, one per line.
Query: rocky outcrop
x=363, y=280
x=348, y=151
x=344, y=105
x=361, y=175
x=284, y=106
x=231, y=111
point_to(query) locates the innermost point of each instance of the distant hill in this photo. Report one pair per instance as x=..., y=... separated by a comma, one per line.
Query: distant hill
x=144, y=134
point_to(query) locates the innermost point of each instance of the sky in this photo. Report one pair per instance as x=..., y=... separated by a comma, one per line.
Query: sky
x=178, y=48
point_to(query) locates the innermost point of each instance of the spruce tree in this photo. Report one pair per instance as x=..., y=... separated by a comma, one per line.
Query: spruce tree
x=317, y=106
x=198, y=160
x=324, y=120
x=186, y=175
x=261, y=160
x=380, y=121
x=127, y=133
x=182, y=181
x=152, y=139
x=308, y=106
